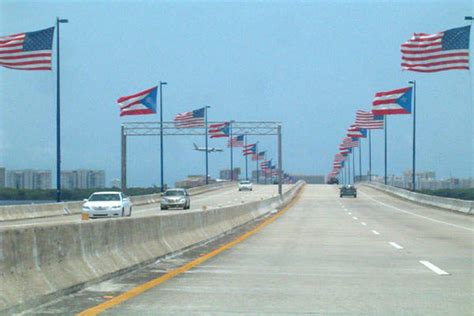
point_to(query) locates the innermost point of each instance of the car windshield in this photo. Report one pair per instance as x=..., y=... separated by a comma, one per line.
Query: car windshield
x=105, y=197
x=245, y=182
x=174, y=193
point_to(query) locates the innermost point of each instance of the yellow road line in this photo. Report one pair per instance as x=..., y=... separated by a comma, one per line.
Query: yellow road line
x=155, y=282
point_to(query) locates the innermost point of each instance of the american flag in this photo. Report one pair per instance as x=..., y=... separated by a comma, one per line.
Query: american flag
x=338, y=157
x=350, y=142
x=237, y=141
x=190, y=119
x=437, y=52
x=367, y=120
x=250, y=149
x=27, y=51
x=218, y=130
x=396, y=101
x=260, y=156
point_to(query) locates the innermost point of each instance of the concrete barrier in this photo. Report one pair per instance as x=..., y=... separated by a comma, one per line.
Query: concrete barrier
x=40, y=263
x=28, y=211
x=462, y=206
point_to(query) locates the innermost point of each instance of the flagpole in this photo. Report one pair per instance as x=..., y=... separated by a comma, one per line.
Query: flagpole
x=265, y=173
x=162, y=177
x=385, y=149
x=353, y=166
x=413, y=176
x=360, y=160
x=256, y=153
x=348, y=170
x=207, y=145
x=246, y=162
x=370, y=156
x=231, y=153
x=58, y=114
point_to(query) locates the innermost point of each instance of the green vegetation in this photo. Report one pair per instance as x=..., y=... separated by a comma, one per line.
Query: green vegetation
x=67, y=195
x=463, y=194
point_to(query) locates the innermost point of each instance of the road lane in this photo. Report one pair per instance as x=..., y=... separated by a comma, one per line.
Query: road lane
x=317, y=259
x=213, y=199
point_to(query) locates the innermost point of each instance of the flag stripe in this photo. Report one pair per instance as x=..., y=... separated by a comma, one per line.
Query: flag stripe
x=441, y=51
x=27, y=51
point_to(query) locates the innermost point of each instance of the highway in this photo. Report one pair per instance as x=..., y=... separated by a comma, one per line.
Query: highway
x=213, y=199
x=372, y=255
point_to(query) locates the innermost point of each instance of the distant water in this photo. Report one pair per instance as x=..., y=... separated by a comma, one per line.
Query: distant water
x=19, y=202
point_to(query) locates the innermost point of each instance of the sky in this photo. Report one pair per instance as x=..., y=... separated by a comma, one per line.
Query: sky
x=307, y=64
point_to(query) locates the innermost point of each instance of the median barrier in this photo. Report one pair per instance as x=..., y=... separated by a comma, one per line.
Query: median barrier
x=40, y=263
x=29, y=211
x=462, y=206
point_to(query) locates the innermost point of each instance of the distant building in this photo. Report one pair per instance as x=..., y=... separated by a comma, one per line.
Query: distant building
x=115, y=183
x=2, y=178
x=225, y=174
x=309, y=179
x=193, y=181
x=82, y=179
x=29, y=179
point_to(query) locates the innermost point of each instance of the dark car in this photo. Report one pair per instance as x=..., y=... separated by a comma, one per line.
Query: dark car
x=348, y=190
x=333, y=181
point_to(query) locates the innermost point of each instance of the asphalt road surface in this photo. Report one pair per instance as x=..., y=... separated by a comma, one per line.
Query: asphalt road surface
x=374, y=255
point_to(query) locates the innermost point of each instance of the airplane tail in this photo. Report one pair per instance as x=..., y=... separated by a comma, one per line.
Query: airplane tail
x=195, y=146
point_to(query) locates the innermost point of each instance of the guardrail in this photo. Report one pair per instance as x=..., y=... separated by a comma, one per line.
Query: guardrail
x=29, y=211
x=462, y=206
x=40, y=263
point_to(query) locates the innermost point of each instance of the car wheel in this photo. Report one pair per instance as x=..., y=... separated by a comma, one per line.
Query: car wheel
x=355, y=195
x=130, y=213
x=240, y=189
x=163, y=208
x=340, y=195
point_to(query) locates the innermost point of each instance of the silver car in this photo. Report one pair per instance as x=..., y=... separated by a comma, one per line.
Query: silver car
x=107, y=204
x=175, y=198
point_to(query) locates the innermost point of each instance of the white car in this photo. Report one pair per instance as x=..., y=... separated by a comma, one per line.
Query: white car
x=107, y=204
x=245, y=185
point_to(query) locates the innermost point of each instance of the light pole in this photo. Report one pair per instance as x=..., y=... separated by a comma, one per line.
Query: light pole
x=58, y=114
x=161, y=136
x=413, y=176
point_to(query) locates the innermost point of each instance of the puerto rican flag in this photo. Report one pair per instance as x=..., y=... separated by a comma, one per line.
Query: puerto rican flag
x=356, y=132
x=219, y=130
x=393, y=102
x=139, y=103
x=250, y=149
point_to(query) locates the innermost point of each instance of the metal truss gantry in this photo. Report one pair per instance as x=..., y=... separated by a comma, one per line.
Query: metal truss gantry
x=130, y=129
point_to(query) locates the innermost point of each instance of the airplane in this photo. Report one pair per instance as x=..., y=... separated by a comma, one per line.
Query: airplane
x=209, y=150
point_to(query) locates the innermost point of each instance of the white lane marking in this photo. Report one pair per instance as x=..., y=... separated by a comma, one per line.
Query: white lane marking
x=354, y=217
x=350, y=213
x=375, y=232
x=394, y=244
x=417, y=215
x=433, y=268
x=364, y=224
